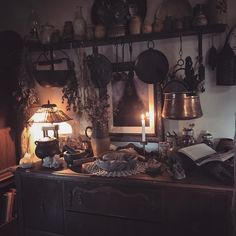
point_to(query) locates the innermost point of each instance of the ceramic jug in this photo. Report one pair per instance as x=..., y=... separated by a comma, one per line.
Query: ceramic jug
x=100, y=140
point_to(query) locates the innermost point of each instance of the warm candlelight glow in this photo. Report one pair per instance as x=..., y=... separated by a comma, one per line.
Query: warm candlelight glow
x=143, y=128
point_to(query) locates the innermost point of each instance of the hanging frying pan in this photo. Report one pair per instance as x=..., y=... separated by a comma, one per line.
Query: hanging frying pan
x=100, y=68
x=151, y=66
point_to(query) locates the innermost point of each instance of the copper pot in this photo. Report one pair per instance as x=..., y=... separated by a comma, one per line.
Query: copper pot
x=181, y=106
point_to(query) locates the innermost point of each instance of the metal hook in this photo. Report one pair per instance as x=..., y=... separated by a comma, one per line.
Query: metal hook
x=152, y=44
x=180, y=62
x=181, y=46
x=131, y=51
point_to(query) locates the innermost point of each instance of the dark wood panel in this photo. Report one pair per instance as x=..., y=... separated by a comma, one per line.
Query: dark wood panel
x=43, y=204
x=124, y=201
x=90, y=225
x=9, y=229
x=31, y=232
x=192, y=212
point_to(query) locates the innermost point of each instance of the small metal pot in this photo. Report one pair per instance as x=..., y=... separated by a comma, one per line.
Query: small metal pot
x=47, y=147
x=181, y=106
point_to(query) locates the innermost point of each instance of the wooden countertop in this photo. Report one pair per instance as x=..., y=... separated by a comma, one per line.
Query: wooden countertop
x=194, y=179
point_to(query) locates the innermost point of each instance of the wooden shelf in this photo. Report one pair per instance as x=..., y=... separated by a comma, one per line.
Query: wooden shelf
x=36, y=46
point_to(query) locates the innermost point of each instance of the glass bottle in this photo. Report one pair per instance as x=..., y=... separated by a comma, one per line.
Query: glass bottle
x=79, y=24
x=33, y=25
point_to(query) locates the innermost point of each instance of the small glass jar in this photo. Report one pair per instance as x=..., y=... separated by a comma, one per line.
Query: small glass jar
x=188, y=137
x=45, y=33
x=207, y=138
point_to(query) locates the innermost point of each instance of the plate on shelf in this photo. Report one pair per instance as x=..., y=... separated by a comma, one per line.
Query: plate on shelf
x=115, y=12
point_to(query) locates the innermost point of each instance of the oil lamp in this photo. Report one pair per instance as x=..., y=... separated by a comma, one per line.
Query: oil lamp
x=49, y=116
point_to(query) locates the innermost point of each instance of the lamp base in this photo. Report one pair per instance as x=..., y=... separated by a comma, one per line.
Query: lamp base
x=52, y=162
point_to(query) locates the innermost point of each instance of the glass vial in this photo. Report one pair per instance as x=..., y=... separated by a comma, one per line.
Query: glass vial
x=33, y=24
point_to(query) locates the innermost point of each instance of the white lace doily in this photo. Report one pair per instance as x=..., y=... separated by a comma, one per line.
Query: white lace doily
x=92, y=168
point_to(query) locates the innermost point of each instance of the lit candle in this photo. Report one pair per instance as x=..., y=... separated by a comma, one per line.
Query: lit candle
x=143, y=128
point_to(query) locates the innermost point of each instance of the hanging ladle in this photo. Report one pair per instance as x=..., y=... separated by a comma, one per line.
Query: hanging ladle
x=123, y=73
x=117, y=76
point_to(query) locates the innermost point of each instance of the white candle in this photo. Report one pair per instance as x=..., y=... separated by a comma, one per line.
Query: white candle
x=143, y=128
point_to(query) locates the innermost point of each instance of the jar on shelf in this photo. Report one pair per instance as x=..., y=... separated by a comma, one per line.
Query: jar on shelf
x=188, y=137
x=68, y=30
x=135, y=25
x=200, y=18
x=100, y=31
x=79, y=24
x=45, y=33
x=207, y=138
x=33, y=24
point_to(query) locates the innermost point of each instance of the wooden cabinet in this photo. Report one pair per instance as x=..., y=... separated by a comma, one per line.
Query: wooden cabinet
x=42, y=203
x=72, y=204
x=7, y=227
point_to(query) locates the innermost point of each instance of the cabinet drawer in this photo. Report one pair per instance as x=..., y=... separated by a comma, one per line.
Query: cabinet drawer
x=43, y=204
x=122, y=201
x=194, y=212
x=90, y=225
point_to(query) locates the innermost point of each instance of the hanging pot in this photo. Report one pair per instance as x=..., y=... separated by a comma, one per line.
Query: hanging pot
x=47, y=147
x=226, y=65
x=151, y=66
x=100, y=68
x=181, y=106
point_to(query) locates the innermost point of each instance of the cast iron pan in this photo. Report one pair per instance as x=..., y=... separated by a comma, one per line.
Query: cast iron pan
x=151, y=66
x=100, y=68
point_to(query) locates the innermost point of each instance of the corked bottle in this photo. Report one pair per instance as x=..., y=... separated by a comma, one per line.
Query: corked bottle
x=79, y=24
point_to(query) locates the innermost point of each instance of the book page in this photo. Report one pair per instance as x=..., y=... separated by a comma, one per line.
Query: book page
x=197, y=151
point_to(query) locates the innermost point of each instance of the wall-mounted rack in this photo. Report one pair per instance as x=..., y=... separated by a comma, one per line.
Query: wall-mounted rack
x=36, y=46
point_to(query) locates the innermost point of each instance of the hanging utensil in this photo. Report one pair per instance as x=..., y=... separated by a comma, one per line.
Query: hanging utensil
x=151, y=66
x=212, y=55
x=100, y=68
x=116, y=74
x=123, y=73
x=131, y=71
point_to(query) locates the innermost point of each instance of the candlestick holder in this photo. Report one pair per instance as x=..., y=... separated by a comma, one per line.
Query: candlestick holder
x=144, y=143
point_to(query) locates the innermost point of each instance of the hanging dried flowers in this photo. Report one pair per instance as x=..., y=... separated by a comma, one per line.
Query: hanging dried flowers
x=26, y=94
x=94, y=106
x=71, y=91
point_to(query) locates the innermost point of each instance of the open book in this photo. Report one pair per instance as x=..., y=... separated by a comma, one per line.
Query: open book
x=201, y=154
